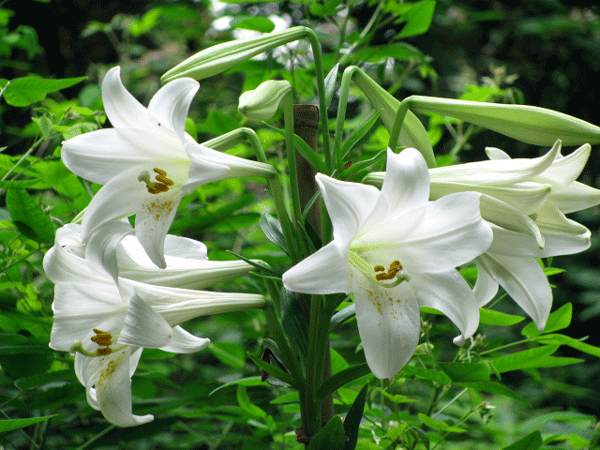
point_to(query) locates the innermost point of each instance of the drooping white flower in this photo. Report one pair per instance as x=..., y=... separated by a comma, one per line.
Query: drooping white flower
x=543, y=190
x=395, y=251
x=106, y=320
x=147, y=162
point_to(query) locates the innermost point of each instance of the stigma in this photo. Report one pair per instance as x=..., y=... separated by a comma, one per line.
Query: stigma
x=162, y=183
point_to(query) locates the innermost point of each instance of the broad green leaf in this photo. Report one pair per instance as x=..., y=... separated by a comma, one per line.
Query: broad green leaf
x=466, y=372
x=532, y=441
x=15, y=424
x=28, y=217
x=491, y=317
x=559, y=319
x=255, y=23
x=532, y=359
x=427, y=374
x=562, y=416
x=396, y=50
x=439, y=425
x=495, y=388
x=290, y=397
x=353, y=418
x=25, y=91
x=331, y=436
x=19, y=184
x=418, y=19
x=245, y=402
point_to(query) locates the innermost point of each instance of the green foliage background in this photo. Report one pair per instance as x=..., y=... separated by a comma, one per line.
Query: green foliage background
x=542, y=393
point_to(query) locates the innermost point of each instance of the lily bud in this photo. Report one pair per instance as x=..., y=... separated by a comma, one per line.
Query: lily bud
x=262, y=102
x=529, y=124
x=221, y=57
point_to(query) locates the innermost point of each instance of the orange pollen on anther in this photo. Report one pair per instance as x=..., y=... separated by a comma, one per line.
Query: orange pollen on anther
x=391, y=273
x=103, y=339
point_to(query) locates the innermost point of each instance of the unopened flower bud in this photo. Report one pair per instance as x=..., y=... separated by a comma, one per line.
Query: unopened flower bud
x=262, y=102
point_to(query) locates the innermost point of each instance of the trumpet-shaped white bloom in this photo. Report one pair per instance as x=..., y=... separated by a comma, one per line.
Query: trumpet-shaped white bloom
x=543, y=190
x=147, y=162
x=395, y=251
x=108, y=321
x=510, y=260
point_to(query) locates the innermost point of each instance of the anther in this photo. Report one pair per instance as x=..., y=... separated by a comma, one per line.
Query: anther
x=395, y=267
x=103, y=339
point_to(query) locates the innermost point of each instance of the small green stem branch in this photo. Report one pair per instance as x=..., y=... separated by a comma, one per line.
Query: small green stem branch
x=239, y=136
x=341, y=116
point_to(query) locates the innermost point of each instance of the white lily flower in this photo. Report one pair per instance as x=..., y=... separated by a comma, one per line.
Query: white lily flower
x=106, y=321
x=543, y=190
x=395, y=251
x=147, y=162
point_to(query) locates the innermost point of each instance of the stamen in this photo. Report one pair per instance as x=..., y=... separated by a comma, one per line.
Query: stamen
x=395, y=267
x=103, y=339
x=161, y=184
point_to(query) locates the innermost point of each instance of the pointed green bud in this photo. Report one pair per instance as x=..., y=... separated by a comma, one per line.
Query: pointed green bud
x=262, y=102
x=413, y=133
x=221, y=57
x=529, y=124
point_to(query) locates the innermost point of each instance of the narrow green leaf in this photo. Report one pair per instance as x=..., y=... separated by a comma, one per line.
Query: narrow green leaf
x=558, y=320
x=439, y=425
x=491, y=317
x=330, y=84
x=15, y=424
x=418, y=19
x=331, y=436
x=337, y=380
x=341, y=316
x=25, y=91
x=248, y=381
x=571, y=342
x=229, y=353
x=28, y=217
x=466, y=372
x=360, y=132
x=304, y=149
x=532, y=441
x=271, y=227
x=294, y=322
x=353, y=418
x=245, y=402
x=272, y=370
x=495, y=388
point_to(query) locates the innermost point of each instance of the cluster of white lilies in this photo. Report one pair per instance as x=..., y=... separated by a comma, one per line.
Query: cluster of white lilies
x=395, y=249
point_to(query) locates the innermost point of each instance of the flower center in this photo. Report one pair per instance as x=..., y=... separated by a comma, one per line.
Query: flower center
x=104, y=340
x=395, y=273
x=161, y=184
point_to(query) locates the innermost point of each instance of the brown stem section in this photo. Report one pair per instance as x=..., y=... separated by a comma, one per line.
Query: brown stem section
x=306, y=126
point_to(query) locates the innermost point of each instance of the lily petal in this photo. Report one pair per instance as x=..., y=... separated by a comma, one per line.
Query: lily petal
x=349, y=204
x=324, y=272
x=184, y=342
x=575, y=197
x=143, y=326
x=449, y=293
x=110, y=375
x=524, y=280
x=388, y=323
